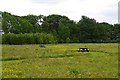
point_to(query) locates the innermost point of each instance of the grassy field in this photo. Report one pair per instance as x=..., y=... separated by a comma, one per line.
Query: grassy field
x=60, y=61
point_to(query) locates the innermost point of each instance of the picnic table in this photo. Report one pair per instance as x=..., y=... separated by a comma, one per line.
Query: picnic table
x=83, y=50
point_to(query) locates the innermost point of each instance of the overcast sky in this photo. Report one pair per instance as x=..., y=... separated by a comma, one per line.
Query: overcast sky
x=101, y=10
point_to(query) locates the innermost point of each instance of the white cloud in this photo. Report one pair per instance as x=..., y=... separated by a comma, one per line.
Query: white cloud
x=98, y=9
x=46, y=1
x=101, y=10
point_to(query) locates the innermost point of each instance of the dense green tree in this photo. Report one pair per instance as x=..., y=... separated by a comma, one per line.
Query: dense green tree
x=87, y=29
x=6, y=25
x=104, y=31
x=52, y=22
x=25, y=26
x=74, y=31
x=15, y=24
x=36, y=21
x=63, y=30
x=57, y=25
x=116, y=31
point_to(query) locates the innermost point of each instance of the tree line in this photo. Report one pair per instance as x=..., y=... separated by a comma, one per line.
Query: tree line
x=59, y=28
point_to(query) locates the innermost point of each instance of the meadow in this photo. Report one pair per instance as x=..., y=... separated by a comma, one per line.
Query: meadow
x=60, y=61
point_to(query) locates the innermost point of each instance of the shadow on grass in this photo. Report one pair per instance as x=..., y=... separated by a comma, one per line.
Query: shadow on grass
x=10, y=59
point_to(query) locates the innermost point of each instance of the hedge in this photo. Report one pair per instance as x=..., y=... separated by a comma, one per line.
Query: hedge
x=28, y=38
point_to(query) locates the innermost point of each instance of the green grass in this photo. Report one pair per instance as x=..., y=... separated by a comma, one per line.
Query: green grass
x=60, y=61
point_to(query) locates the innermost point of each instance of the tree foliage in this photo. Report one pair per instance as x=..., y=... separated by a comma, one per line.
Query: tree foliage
x=42, y=29
x=87, y=29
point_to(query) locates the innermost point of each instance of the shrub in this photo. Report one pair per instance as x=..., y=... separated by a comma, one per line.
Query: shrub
x=28, y=38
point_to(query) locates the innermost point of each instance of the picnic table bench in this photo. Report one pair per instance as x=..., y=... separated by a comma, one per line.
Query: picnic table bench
x=83, y=50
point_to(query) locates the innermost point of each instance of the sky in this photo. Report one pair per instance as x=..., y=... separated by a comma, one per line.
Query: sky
x=100, y=10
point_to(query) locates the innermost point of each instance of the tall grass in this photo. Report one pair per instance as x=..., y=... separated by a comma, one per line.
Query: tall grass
x=60, y=61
